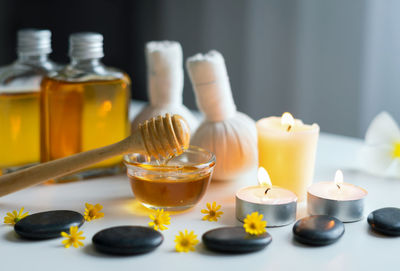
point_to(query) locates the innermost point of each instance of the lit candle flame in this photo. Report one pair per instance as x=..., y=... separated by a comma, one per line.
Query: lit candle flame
x=287, y=120
x=265, y=181
x=263, y=177
x=338, y=178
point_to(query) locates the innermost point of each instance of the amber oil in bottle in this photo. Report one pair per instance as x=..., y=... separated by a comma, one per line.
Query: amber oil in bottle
x=84, y=106
x=19, y=100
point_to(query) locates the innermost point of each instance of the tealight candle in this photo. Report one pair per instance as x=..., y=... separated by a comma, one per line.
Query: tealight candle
x=276, y=204
x=286, y=149
x=339, y=199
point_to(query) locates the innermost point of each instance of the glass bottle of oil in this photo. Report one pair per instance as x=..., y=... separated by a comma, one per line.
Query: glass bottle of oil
x=84, y=106
x=19, y=100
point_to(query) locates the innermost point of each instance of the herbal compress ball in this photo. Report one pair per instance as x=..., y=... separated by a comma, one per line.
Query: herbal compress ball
x=229, y=134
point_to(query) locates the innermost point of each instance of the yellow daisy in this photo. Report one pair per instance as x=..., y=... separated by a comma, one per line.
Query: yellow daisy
x=185, y=242
x=160, y=218
x=73, y=238
x=253, y=224
x=14, y=217
x=212, y=212
x=93, y=211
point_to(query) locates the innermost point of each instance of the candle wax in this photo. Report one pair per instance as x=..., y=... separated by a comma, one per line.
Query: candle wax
x=288, y=156
x=329, y=190
x=274, y=124
x=256, y=194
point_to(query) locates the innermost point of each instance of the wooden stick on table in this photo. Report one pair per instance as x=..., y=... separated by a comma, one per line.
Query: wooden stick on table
x=161, y=136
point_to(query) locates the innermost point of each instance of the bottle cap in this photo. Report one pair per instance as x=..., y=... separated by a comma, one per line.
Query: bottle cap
x=86, y=45
x=34, y=41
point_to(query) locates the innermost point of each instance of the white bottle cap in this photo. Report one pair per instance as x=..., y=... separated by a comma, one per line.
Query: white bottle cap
x=86, y=45
x=34, y=41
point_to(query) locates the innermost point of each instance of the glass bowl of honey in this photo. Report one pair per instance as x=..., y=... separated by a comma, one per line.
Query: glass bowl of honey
x=175, y=184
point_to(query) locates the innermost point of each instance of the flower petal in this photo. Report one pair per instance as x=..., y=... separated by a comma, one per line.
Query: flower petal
x=382, y=130
x=21, y=211
x=73, y=230
x=393, y=171
x=375, y=160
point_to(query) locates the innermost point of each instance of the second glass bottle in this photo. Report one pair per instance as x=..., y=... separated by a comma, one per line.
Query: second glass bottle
x=84, y=106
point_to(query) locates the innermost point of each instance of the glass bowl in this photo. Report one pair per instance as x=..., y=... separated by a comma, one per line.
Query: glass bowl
x=175, y=184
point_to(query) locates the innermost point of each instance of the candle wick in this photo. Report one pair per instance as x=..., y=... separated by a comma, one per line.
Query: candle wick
x=288, y=128
x=338, y=186
x=266, y=191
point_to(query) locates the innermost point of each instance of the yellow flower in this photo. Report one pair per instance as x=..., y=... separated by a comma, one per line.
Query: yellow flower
x=159, y=220
x=253, y=224
x=212, y=212
x=73, y=238
x=14, y=217
x=93, y=212
x=185, y=242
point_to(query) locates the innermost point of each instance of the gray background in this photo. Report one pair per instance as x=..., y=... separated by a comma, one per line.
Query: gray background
x=334, y=62
x=331, y=62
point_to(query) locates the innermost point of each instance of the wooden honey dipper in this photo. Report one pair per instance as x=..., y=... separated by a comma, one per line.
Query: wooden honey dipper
x=158, y=137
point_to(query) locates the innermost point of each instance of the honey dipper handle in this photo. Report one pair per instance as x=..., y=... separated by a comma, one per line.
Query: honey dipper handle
x=15, y=181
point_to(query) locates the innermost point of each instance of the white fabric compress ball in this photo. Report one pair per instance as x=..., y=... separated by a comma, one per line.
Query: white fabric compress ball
x=229, y=134
x=165, y=83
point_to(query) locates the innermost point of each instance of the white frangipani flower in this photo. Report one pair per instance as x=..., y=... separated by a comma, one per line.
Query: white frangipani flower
x=380, y=154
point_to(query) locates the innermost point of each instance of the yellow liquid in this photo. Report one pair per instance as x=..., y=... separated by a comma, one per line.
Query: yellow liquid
x=19, y=129
x=80, y=116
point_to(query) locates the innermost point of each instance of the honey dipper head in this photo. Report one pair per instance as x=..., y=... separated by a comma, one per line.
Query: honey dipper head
x=165, y=136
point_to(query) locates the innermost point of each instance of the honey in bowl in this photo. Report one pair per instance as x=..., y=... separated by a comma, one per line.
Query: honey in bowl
x=175, y=184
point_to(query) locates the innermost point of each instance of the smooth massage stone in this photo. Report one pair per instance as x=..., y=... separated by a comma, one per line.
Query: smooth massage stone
x=234, y=240
x=318, y=230
x=127, y=240
x=47, y=225
x=385, y=221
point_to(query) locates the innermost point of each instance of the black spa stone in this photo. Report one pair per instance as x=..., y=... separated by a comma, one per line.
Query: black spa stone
x=385, y=221
x=234, y=240
x=318, y=230
x=47, y=225
x=127, y=240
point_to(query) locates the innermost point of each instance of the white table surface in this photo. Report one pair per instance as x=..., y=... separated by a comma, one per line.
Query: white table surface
x=358, y=249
